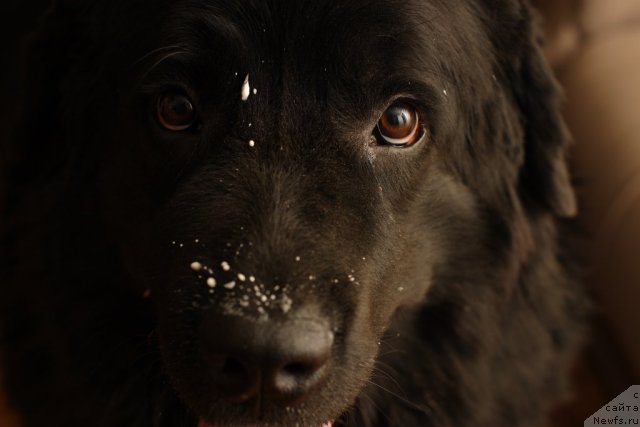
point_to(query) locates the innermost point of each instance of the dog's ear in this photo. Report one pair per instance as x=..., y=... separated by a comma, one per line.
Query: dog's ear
x=544, y=176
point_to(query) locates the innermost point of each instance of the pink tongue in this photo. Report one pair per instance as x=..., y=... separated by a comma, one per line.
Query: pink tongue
x=203, y=423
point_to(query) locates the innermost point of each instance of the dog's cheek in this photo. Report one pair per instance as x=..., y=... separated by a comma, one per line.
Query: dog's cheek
x=136, y=176
x=433, y=225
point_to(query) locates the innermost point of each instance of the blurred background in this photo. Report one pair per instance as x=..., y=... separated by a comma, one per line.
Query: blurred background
x=594, y=49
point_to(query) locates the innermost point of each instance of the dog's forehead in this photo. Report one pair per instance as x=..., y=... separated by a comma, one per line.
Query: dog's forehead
x=356, y=36
x=304, y=21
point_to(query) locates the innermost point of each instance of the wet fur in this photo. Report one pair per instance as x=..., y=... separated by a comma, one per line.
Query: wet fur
x=465, y=311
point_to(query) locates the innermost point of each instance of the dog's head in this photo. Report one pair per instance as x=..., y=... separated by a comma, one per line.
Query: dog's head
x=283, y=177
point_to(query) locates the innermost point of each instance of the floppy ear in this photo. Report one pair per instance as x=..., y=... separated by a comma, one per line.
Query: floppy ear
x=543, y=181
x=544, y=177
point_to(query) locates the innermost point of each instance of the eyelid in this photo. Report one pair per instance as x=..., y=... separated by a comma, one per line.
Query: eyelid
x=155, y=88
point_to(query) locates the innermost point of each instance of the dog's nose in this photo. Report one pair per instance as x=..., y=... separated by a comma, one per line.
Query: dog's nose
x=281, y=361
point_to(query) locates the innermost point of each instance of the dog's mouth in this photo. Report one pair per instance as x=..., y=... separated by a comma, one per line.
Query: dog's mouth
x=203, y=423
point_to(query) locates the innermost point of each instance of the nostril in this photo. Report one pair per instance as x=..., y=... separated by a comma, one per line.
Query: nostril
x=297, y=369
x=305, y=348
x=294, y=379
x=232, y=377
x=233, y=368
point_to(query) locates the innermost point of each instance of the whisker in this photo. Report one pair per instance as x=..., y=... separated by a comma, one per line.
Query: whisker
x=160, y=49
x=373, y=403
x=402, y=399
x=164, y=58
x=356, y=407
x=393, y=351
x=389, y=376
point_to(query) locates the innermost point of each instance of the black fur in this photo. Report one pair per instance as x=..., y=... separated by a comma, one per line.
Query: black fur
x=462, y=310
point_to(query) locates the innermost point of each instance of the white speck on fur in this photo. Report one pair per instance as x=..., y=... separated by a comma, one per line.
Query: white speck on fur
x=197, y=240
x=181, y=245
x=196, y=266
x=297, y=258
x=255, y=91
x=225, y=266
x=246, y=89
x=252, y=143
x=252, y=279
x=230, y=285
x=242, y=277
x=286, y=303
x=312, y=277
x=211, y=282
x=400, y=289
x=241, y=245
x=444, y=91
x=173, y=243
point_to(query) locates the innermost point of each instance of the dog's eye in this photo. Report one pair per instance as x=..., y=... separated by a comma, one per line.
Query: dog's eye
x=175, y=111
x=399, y=125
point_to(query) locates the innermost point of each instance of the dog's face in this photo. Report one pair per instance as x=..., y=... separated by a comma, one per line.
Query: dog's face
x=292, y=157
x=282, y=178
x=294, y=180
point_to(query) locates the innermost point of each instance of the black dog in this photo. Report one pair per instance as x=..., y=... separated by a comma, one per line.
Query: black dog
x=287, y=213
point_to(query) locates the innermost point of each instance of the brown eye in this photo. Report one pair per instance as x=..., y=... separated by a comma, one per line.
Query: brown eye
x=400, y=125
x=176, y=112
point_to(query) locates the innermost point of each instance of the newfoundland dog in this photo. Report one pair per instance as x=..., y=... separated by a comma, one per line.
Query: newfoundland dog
x=287, y=213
